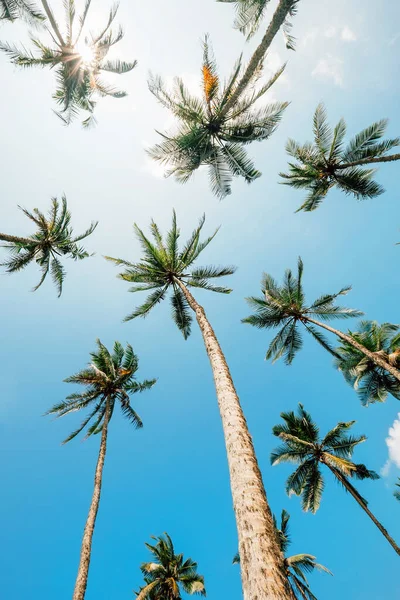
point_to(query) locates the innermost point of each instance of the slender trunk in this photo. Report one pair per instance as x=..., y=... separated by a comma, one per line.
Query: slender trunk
x=261, y=559
x=343, y=480
x=367, y=161
x=16, y=240
x=53, y=22
x=374, y=356
x=277, y=21
x=86, y=547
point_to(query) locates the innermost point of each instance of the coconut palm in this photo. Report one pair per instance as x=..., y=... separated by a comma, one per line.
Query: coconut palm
x=214, y=128
x=396, y=493
x=78, y=61
x=372, y=382
x=285, y=307
x=327, y=163
x=53, y=239
x=169, y=574
x=11, y=10
x=298, y=565
x=250, y=13
x=109, y=379
x=302, y=445
x=167, y=268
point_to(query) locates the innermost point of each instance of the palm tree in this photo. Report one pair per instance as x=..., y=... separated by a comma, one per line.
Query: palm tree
x=372, y=382
x=11, y=10
x=303, y=446
x=327, y=163
x=214, y=129
x=249, y=14
x=286, y=307
x=166, y=268
x=78, y=63
x=54, y=238
x=297, y=565
x=396, y=493
x=109, y=379
x=169, y=574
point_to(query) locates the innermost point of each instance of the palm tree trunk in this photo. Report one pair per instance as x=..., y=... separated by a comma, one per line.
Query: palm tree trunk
x=343, y=480
x=16, y=240
x=86, y=547
x=378, y=360
x=261, y=559
x=277, y=21
x=53, y=22
x=367, y=161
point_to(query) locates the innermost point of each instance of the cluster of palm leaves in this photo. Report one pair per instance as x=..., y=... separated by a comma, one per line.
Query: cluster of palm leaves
x=169, y=573
x=53, y=239
x=11, y=10
x=328, y=163
x=78, y=62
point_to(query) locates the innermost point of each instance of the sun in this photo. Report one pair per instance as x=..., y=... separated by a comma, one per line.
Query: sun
x=87, y=54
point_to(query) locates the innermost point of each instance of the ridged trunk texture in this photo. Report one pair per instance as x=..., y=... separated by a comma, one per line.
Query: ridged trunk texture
x=277, y=21
x=261, y=559
x=13, y=239
x=86, y=547
x=364, y=506
x=374, y=356
x=367, y=161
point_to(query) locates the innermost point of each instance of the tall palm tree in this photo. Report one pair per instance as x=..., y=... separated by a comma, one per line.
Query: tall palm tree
x=109, y=379
x=396, y=493
x=302, y=445
x=285, y=307
x=54, y=238
x=372, y=382
x=214, y=128
x=169, y=574
x=250, y=13
x=210, y=135
x=11, y=10
x=78, y=62
x=298, y=565
x=327, y=163
x=167, y=268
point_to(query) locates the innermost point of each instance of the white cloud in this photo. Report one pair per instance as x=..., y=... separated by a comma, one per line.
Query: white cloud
x=348, y=35
x=393, y=444
x=330, y=32
x=330, y=67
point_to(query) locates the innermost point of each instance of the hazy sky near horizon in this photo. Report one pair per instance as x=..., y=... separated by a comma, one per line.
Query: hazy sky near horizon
x=172, y=475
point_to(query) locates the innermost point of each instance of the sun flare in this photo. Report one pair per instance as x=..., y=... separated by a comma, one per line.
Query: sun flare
x=87, y=54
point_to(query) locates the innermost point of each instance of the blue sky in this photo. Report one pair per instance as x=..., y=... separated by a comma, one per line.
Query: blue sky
x=172, y=475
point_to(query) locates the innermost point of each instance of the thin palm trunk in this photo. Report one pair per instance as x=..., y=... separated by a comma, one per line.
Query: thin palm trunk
x=261, y=559
x=374, y=356
x=16, y=240
x=53, y=22
x=277, y=21
x=86, y=547
x=367, y=161
x=343, y=480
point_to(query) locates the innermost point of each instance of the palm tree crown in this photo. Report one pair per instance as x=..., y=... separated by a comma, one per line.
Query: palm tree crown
x=109, y=378
x=54, y=238
x=327, y=163
x=296, y=566
x=396, y=493
x=163, y=265
x=250, y=13
x=285, y=307
x=372, y=382
x=169, y=573
x=302, y=445
x=78, y=63
x=212, y=131
x=11, y=10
